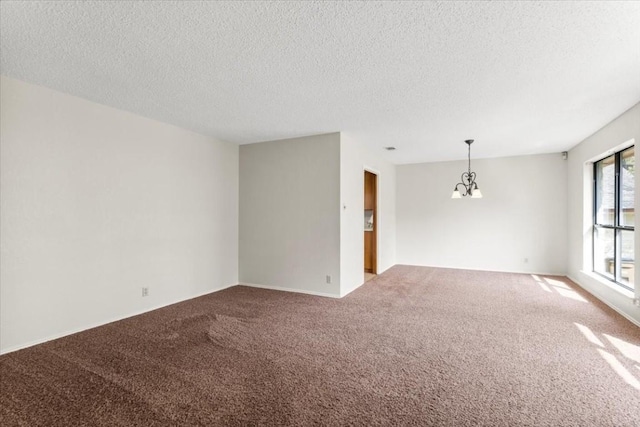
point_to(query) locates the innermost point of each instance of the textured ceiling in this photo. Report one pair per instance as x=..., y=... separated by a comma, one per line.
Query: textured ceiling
x=519, y=77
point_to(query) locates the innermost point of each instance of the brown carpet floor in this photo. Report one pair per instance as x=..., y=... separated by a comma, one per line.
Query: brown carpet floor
x=414, y=346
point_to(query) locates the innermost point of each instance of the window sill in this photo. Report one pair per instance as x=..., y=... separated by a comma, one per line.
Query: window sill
x=611, y=285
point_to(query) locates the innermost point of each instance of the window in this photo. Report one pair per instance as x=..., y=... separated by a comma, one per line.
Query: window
x=614, y=217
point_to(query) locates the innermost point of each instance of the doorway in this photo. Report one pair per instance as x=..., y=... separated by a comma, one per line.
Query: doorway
x=370, y=224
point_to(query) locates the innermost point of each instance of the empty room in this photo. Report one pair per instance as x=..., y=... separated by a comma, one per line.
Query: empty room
x=293, y=213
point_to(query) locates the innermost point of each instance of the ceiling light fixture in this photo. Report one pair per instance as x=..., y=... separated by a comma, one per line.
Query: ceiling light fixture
x=469, y=184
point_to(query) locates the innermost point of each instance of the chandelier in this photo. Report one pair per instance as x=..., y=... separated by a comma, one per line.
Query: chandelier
x=469, y=184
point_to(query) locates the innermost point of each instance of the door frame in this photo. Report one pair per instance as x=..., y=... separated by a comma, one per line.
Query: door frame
x=376, y=217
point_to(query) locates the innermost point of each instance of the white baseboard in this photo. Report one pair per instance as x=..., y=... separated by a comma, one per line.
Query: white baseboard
x=453, y=267
x=283, y=289
x=111, y=320
x=298, y=291
x=344, y=294
x=615, y=308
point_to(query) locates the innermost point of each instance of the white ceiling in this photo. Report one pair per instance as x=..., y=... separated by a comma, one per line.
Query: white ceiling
x=519, y=77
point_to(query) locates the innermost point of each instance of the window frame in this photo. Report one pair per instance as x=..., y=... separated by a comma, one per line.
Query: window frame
x=617, y=226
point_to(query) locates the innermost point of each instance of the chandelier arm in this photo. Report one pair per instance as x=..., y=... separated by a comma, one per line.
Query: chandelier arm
x=465, y=188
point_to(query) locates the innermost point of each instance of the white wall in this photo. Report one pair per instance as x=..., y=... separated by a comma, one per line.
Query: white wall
x=290, y=214
x=522, y=215
x=354, y=159
x=97, y=203
x=624, y=130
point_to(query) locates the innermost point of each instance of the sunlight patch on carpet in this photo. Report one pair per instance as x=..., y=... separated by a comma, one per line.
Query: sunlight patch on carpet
x=589, y=334
x=567, y=293
x=630, y=351
x=557, y=283
x=544, y=286
x=619, y=369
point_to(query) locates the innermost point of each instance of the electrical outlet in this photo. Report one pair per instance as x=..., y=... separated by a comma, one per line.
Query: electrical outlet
x=636, y=301
x=526, y=260
x=145, y=291
x=328, y=279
